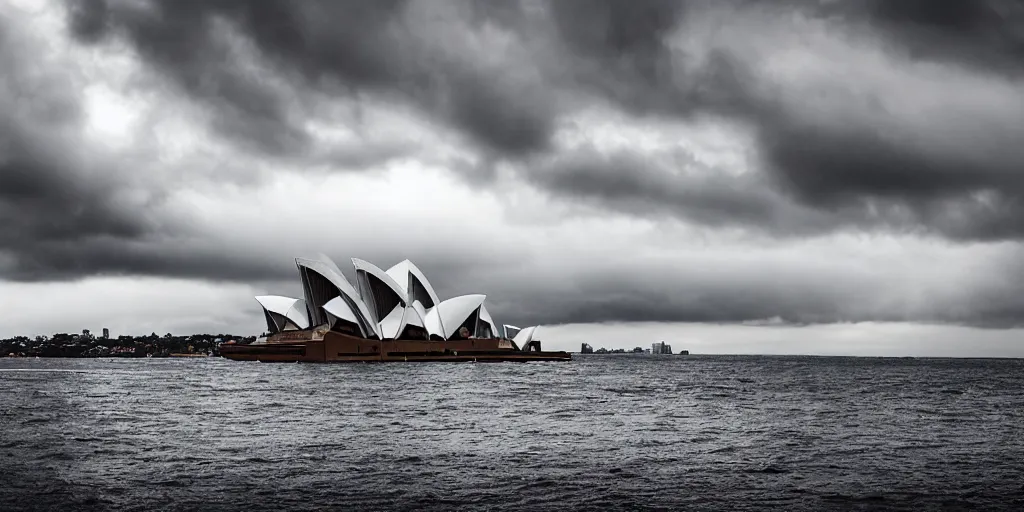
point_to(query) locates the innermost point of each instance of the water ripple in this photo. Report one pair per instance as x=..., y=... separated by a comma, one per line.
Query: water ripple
x=599, y=433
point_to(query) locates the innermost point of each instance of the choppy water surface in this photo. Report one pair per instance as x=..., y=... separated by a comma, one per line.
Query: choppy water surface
x=600, y=433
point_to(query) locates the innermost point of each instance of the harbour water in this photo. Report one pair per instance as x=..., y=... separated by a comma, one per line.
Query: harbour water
x=620, y=432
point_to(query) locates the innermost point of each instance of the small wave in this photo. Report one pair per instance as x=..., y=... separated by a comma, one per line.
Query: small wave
x=770, y=469
x=170, y=483
x=724, y=449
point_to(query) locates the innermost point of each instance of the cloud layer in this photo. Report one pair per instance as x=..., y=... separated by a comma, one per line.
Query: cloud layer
x=579, y=161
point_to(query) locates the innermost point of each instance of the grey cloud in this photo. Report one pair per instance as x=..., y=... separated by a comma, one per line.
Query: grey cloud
x=41, y=204
x=675, y=185
x=46, y=193
x=67, y=211
x=986, y=34
x=820, y=172
x=948, y=193
x=817, y=174
x=960, y=178
x=342, y=47
x=723, y=291
x=622, y=52
x=626, y=38
x=189, y=46
x=783, y=205
x=153, y=255
x=957, y=177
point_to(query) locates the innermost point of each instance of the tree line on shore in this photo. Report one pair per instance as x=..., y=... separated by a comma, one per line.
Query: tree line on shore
x=88, y=345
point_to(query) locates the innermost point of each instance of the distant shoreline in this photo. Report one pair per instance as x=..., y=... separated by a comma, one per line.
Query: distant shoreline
x=88, y=346
x=651, y=356
x=609, y=353
x=113, y=356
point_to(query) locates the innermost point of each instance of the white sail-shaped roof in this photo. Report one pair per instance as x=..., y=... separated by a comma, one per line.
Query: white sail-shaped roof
x=414, y=283
x=485, y=317
x=322, y=281
x=340, y=310
x=393, y=324
x=284, y=313
x=422, y=314
x=419, y=293
x=385, y=297
x=510, y=328
x=414, y=316
x=525, y=336
x=446, y=317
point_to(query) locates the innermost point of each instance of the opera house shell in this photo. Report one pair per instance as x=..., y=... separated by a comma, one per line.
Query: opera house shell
x=388, y=315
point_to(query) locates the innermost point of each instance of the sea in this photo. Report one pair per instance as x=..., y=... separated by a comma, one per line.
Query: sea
x=602, y=432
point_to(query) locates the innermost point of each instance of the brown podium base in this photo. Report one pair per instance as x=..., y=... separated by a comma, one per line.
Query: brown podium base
x=341, y=348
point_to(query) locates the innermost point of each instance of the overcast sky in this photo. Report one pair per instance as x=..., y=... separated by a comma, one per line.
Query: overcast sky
x=732, y=176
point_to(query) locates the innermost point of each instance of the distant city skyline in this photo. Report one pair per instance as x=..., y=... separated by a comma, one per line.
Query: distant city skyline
x=731, y=177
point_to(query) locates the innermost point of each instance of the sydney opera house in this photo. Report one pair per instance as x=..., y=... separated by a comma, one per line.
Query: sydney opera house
x=392, y=315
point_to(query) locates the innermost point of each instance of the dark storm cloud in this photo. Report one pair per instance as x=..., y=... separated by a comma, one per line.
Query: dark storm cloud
x=988, y=34
x=629, y=32
x=153, y=255
x=262, y=67
x=343, y=47
x=975, y=192
x=667, y=291
x=43, y=203
x=66, y=212
x=971, y=192
x=190, y=46
x=619, y=51
x=877, y=169
x=619, y=48
x=800, y=200
x=681, y=187
x=56, y=226
x=46, y=194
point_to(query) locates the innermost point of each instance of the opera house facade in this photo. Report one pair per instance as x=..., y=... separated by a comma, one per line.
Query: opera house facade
x=392, y=315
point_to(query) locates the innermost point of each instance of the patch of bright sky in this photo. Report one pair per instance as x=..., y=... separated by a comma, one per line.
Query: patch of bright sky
x=110, y=117
x=844, y=339
x=722, y=146
x=130, y=305
x=33, y=8
x=377, y=207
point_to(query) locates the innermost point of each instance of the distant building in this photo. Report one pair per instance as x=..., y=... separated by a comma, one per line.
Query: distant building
x=586, y=349
x=661, y=348
x=647, y=351
x=85, y=332
x=106, y=333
